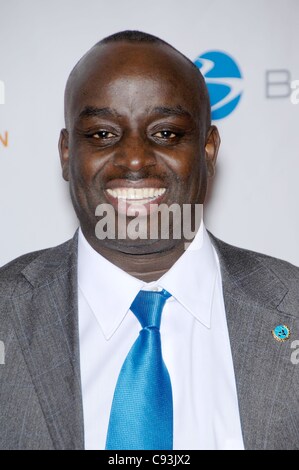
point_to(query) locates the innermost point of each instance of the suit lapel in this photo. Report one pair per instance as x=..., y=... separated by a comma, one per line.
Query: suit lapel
x=263, y=370
x=46, y=323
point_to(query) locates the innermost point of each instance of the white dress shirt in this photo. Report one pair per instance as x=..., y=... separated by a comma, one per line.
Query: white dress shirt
x=195, y=345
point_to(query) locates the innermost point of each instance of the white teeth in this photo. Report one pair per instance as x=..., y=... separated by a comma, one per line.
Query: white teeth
x=136, y=193
x=131, y=193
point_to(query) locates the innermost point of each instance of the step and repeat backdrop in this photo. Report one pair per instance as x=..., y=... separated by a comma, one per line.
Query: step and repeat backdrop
x=248, y=52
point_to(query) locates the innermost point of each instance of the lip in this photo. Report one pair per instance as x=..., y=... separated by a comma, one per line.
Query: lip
x=142, y=183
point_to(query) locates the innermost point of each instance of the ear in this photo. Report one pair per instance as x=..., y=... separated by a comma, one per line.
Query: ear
x=211, y=149
x=63, y=146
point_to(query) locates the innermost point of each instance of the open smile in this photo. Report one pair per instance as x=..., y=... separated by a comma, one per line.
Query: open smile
x=136, y=196
x=128, y=200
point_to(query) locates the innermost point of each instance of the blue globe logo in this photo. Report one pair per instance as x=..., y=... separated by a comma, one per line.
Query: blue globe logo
x=224, y=81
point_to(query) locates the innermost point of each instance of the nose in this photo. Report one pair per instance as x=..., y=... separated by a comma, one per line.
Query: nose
x=134, y=153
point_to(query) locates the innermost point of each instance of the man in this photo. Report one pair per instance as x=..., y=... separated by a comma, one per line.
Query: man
x=138, y=135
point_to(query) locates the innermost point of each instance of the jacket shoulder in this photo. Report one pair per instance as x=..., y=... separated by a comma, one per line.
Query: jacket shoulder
x=265, y=279
x=240, y=257
x=44, y=261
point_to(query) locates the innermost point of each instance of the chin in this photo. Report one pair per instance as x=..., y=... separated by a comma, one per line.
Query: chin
x=140, y=247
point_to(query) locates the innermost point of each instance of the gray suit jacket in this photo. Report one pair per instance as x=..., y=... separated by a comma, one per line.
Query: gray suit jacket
x=40, y=391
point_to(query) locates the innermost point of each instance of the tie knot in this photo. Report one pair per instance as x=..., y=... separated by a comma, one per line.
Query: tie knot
x=148, y=305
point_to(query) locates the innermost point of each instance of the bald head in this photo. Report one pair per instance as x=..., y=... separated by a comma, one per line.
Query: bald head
x=128, y=51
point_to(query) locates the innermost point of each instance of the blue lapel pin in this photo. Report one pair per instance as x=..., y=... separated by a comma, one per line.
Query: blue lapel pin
x=281, y=333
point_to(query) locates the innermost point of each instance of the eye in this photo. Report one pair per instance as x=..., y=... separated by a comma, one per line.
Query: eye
x=165, y=134
x=102, y=135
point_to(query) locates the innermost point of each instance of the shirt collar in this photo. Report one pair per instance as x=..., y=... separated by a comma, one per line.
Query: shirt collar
x=110, y=291
x=191, y=280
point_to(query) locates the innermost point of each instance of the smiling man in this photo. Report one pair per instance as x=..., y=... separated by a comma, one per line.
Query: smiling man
x=138, y=130
x=126, y=342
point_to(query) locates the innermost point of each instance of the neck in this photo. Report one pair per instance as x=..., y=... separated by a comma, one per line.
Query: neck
x=147, y=267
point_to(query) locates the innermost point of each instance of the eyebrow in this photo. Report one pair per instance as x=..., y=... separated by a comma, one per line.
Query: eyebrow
x=91, y=111
x=172, y=111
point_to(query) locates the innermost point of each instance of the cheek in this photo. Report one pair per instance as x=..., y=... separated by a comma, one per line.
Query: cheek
x=83, y=164
x=81, y=169
x=191, y=173
x=188, y=169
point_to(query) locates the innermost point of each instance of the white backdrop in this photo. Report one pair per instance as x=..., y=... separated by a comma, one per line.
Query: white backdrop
x=256, y=192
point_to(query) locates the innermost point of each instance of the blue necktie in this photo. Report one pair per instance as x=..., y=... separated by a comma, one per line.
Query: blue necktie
x=141, y=415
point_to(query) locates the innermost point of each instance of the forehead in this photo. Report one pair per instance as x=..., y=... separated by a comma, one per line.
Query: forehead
x=116, y=68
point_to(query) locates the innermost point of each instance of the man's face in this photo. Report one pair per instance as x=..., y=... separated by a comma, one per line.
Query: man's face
x=136, y=135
